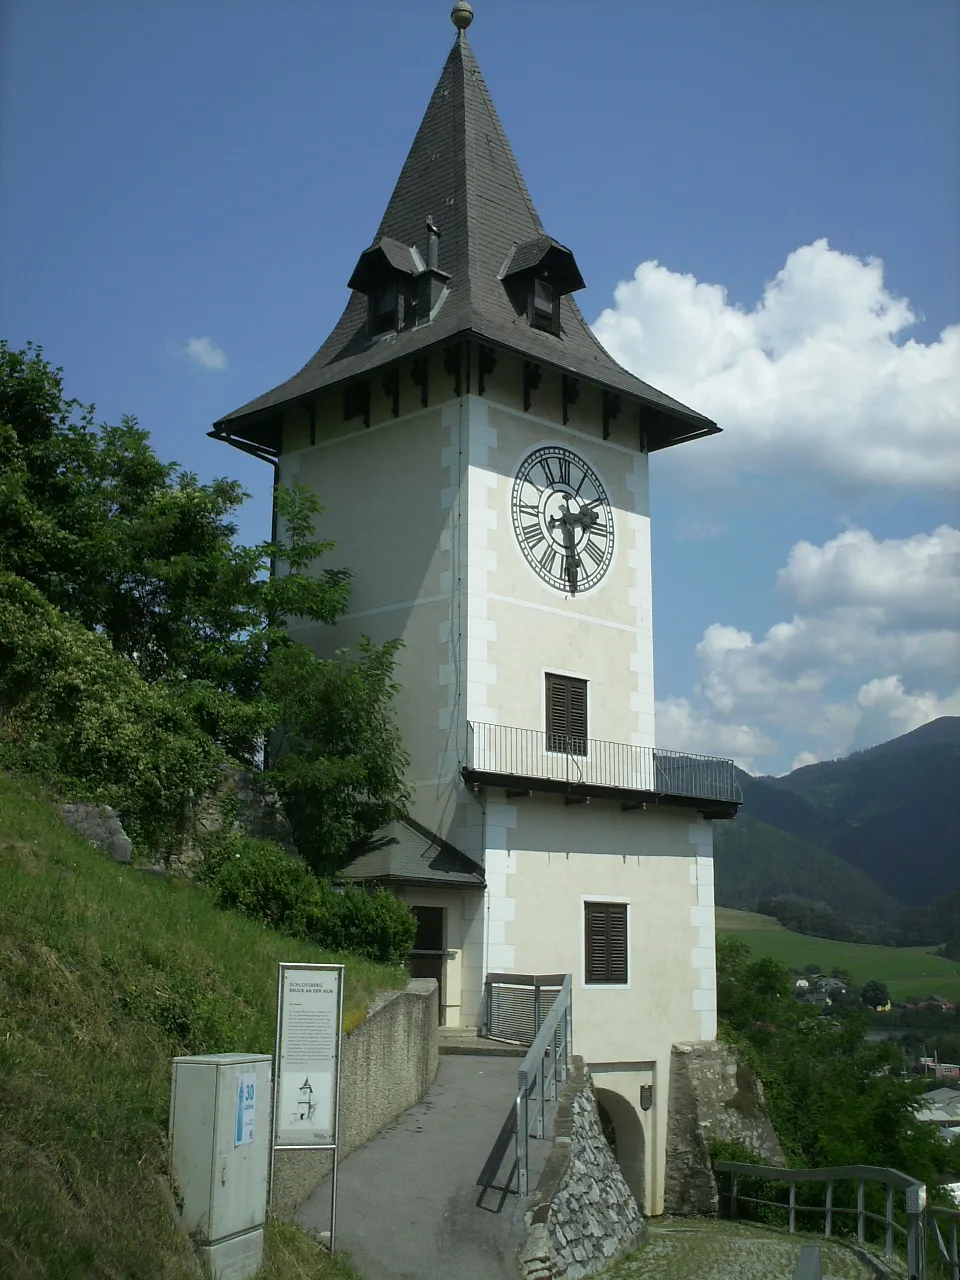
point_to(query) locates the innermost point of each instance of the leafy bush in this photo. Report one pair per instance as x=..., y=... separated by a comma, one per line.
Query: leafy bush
x=260, y=879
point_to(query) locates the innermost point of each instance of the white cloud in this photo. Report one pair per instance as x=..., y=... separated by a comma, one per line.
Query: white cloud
x=206, y=353
x=680, y=727
x=802, y=759
x=913, y=580
x=815, y=378
x=872, y=652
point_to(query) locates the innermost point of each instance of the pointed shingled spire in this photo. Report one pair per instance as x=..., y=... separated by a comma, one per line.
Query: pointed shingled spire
x=461, y=171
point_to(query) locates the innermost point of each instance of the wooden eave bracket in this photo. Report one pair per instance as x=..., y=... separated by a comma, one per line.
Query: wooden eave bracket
x=391, y=388
x=486, y=363
x=420, y=372
x=611, y=410
x=451, y=366
x=570, y=394
x=531, y=380
x=356, y=401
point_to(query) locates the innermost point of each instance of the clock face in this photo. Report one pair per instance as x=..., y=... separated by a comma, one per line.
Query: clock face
x=562, y=519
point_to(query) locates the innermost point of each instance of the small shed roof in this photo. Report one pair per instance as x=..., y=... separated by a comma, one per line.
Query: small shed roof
x=407, y=853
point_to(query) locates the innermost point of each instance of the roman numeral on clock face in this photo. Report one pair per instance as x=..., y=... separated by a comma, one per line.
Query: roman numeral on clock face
x=594, y=552
x=564, y=464
x=548, y=558
x=532, y=534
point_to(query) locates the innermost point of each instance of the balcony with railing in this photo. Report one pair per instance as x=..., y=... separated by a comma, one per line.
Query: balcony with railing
x=530, y=760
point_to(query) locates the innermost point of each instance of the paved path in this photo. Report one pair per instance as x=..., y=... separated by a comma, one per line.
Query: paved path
x=407, y=1201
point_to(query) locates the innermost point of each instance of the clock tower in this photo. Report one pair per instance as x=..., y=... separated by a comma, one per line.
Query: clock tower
x=483, y=465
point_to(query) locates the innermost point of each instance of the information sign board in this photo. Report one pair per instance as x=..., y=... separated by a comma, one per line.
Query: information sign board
x=308, y=1047
x=306, y=1076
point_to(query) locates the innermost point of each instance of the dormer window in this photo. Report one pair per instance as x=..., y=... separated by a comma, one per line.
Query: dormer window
x=388, y=273
x=536, y=275
x=545, y=306
x=385, y=308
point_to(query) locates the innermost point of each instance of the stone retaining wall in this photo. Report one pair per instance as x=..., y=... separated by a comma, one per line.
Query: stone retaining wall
x=582, y=1213
x=387, y=1065
x=712, y=1096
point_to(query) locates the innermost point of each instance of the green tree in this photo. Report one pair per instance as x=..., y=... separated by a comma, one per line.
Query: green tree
x=337, y=760
x=138, y=550
x=875, y=994
x=834, y=1098
x=134, y=565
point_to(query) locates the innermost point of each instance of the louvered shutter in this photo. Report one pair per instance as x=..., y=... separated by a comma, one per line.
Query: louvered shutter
x=556, y=713
x=605, y=930
x=566, y=715
x=577, y=717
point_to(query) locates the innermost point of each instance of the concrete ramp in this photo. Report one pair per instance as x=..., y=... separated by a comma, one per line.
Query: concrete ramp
x=408, y=1203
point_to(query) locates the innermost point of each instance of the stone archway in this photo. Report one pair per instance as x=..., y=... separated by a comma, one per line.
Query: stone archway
x=624, y=1132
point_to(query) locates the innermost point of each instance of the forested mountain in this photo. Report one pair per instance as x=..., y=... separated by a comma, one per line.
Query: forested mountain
x=889, y=812
x=754, y=860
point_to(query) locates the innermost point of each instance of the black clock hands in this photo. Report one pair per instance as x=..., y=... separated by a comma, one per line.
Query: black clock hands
x=586, y=518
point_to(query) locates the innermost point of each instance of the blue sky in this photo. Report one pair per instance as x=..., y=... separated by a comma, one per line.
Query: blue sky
x=212, y=169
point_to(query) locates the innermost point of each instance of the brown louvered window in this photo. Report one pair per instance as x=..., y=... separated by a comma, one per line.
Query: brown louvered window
x=605, y=942
x=544, y=305
x=566, y=715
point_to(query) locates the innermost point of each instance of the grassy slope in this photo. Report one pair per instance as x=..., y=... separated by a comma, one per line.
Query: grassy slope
x=909, y=972
x=107, y=973
x=730, y=920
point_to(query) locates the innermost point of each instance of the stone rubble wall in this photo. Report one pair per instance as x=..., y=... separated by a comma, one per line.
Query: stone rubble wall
x=240, y=802
x=712, y=1096
x=582, y=1214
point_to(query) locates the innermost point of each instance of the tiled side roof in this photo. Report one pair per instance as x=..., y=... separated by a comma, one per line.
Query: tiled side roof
x=461, y=171
x=406, y=852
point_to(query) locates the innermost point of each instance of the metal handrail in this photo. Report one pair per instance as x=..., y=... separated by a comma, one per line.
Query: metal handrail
x=554, y=1039
x=949, y=1251
x=915, y=1193
x=533, y=753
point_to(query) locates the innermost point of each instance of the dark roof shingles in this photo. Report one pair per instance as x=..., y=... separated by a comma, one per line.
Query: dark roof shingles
x=462, y=171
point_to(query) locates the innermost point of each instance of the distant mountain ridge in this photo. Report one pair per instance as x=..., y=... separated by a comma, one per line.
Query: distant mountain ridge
x=888, y=815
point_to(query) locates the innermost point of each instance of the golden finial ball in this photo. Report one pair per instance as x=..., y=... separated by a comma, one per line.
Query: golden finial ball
x=461, y=15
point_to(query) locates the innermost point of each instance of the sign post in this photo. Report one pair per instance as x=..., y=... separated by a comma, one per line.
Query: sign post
x=306, y=1076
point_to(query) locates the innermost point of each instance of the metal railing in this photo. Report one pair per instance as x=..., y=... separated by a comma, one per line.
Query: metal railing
x=515, y=1004
x=546, y=1065
x=532, y=753
x=947, y=1250
x=916, y=1214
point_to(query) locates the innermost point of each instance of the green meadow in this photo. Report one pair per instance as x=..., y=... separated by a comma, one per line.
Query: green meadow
x=909, y=973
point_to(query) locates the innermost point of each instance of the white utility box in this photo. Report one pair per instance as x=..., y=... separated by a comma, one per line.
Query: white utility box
x=220, y=1135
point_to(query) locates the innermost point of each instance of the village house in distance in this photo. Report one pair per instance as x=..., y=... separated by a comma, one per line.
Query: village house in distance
x=483, y=465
